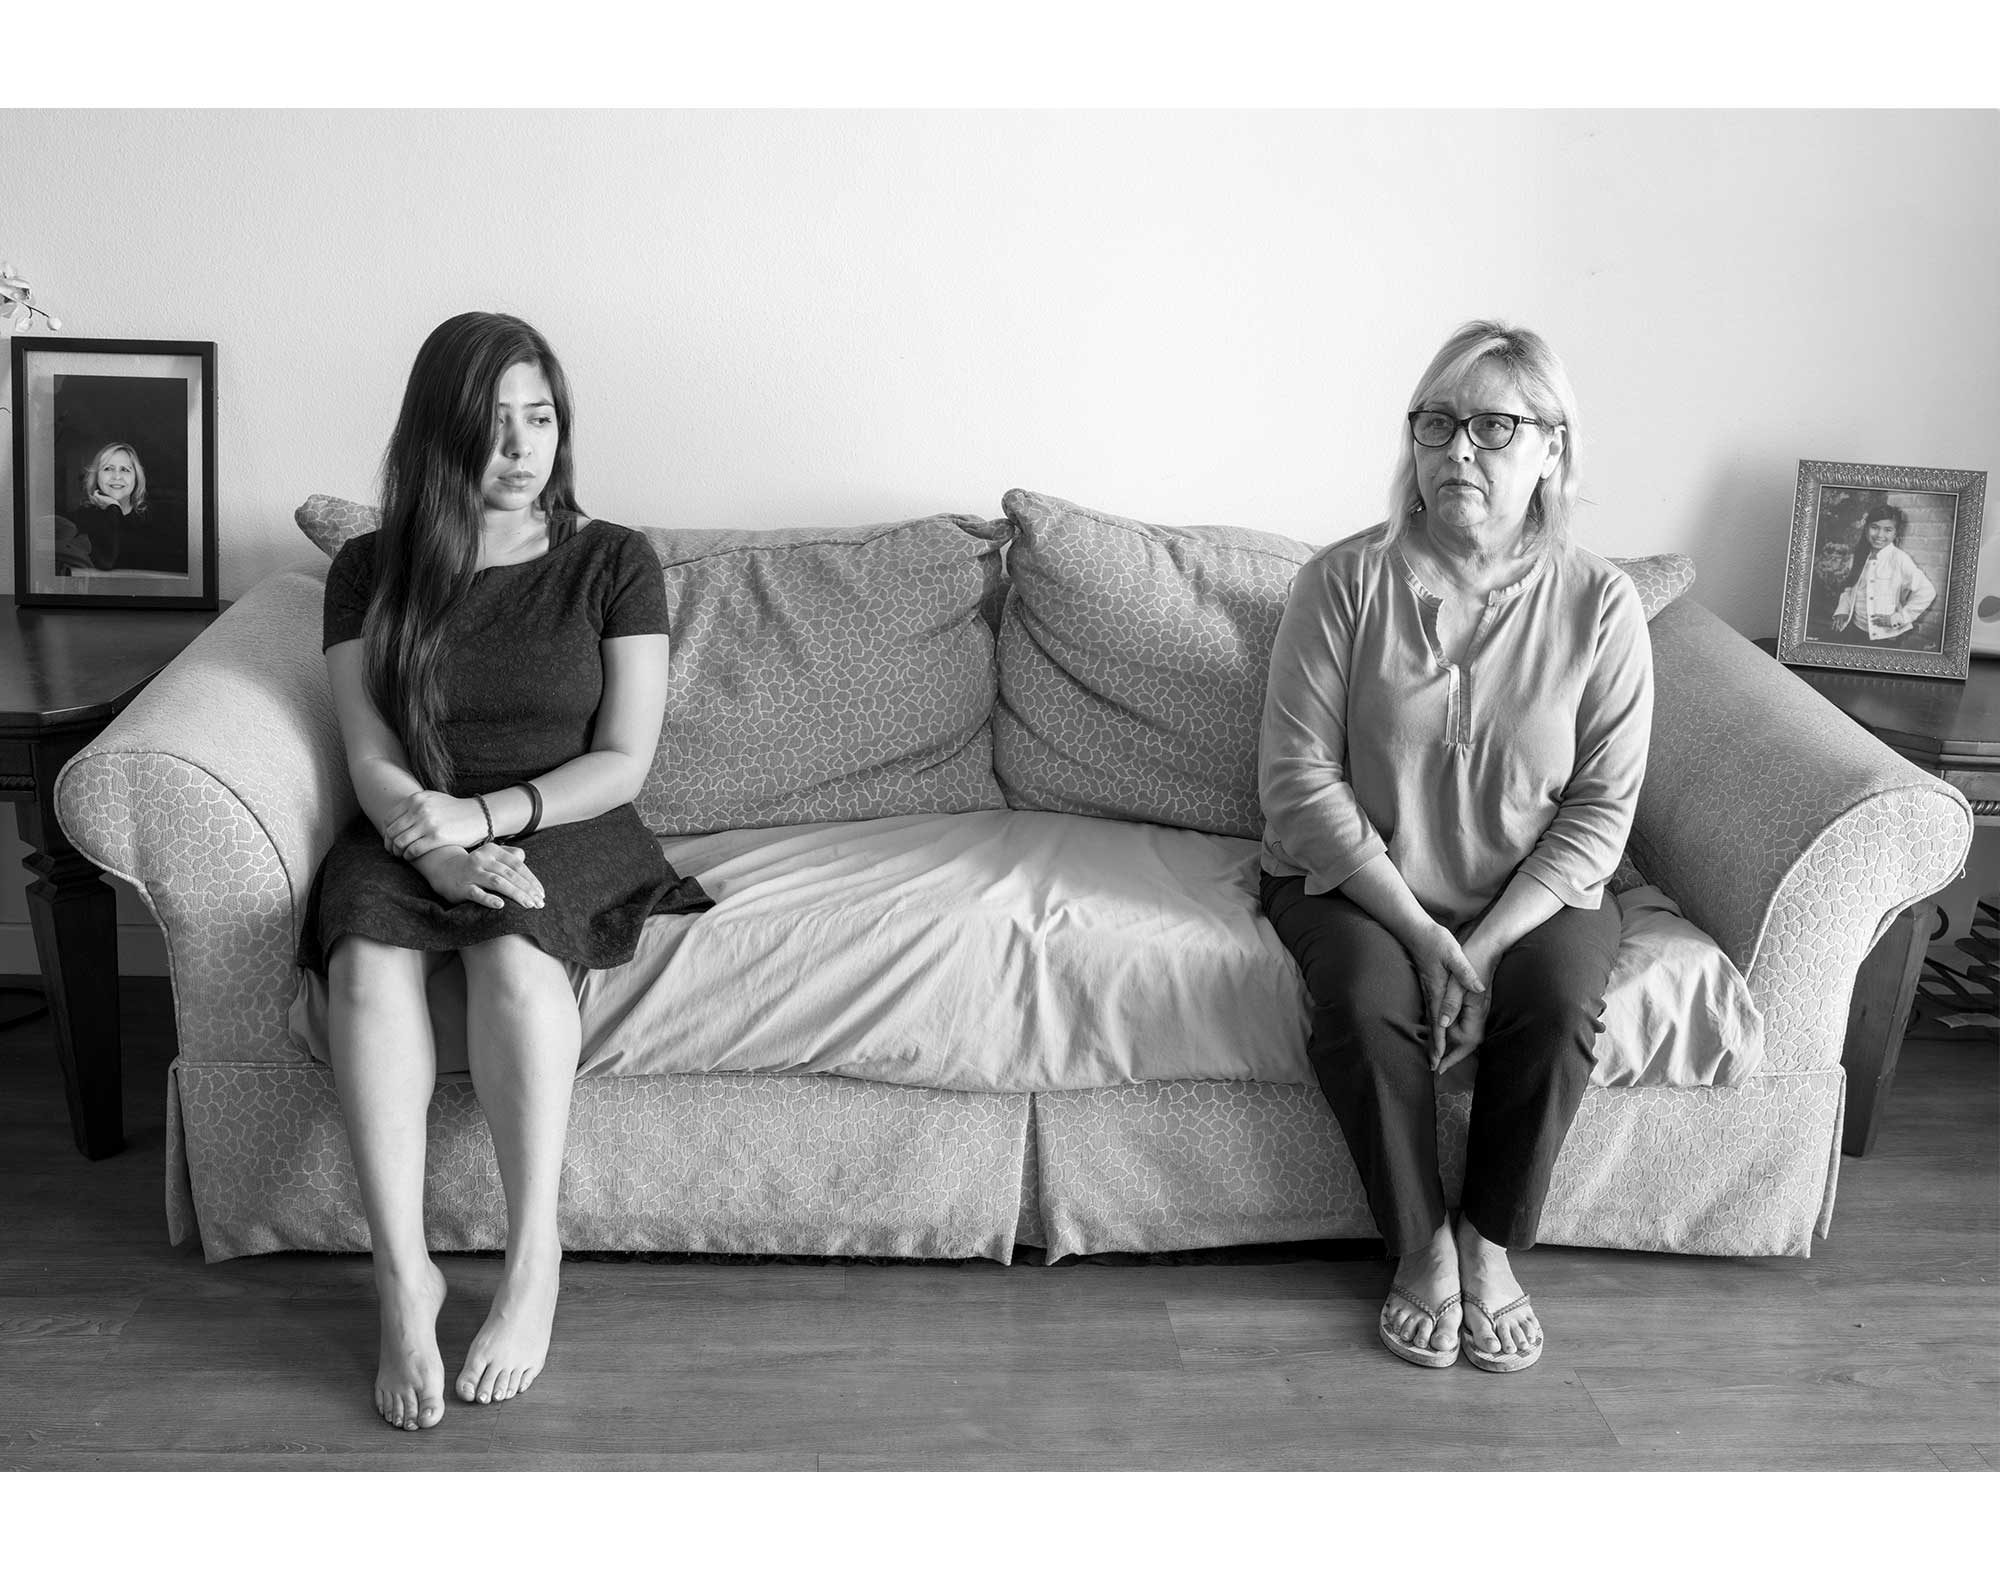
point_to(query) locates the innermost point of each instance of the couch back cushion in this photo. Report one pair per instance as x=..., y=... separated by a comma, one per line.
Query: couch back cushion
x=1133, y=660
x=1132, y=665
x=813, y=674
x=826, y=674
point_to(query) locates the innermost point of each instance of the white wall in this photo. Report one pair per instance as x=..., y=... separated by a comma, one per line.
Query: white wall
x=784, y=318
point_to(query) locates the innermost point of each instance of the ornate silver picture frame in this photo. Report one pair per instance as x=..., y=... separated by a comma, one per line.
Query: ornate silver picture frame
x=1881, y=569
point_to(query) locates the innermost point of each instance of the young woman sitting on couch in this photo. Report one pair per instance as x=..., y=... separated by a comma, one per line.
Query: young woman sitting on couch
x=499, y=665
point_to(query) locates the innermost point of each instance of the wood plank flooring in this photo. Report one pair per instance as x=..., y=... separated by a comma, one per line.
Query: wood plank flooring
x=1880, y=1352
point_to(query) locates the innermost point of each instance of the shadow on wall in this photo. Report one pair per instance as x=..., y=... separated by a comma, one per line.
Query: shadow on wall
x=1739, y=534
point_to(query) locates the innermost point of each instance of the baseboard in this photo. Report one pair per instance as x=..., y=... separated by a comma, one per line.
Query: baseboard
x=142, y=951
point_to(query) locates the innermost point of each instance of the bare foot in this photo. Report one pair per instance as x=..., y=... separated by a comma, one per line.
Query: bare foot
x=513, y=1342
x=1431, y=1274
x=409, y=1383
x=1487, y=1276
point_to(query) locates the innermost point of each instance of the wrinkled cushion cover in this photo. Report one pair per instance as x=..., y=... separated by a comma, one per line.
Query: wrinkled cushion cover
x=1132, y=665
x=989, y=952
x=1034, y=952
x=1133, y=660
x=1677, y=1012
x=826, y=675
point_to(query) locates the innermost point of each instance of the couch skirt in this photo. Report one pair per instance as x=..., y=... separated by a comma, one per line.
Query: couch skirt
x=257, y=1161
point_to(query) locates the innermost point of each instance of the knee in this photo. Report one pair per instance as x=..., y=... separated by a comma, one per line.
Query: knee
x=363, y=972
x=512, y=974
x=1549, y=1024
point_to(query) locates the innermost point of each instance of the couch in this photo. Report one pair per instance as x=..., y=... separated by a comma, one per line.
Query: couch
x=977, y=801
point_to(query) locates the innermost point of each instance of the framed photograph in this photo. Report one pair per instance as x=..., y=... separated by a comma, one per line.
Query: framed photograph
x=1881, y=570
x=1986, y=595
x=114, y=473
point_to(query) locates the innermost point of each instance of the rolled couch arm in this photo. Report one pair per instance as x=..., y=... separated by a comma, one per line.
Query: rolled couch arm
x=215, y=794
x=1784, y=830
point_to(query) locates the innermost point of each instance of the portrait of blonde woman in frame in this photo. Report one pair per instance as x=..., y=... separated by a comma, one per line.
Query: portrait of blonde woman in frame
x=114, y=473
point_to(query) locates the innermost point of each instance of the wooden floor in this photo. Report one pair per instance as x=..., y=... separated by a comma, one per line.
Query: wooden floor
x=1880, y=1351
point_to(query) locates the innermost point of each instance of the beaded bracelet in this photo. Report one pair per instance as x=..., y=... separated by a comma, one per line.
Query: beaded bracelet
x=488, y=811
x=535, y=816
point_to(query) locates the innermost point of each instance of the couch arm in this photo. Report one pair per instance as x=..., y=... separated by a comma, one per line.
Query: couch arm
x=215, y=794
x=1786, y=831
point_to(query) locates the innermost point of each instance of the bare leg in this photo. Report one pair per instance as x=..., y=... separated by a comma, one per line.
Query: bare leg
x=384, y=1068
x=523, y=1037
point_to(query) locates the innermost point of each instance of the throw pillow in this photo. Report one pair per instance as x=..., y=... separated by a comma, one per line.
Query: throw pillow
x=826, y=675
x=1132, y=665
x=330, y=521
x=1660, y=579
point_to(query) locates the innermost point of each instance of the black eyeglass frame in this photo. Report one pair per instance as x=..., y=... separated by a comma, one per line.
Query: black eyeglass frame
x=1516, y=418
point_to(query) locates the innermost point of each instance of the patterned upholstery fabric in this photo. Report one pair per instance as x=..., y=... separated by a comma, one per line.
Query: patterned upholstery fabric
x=330, y=521
x=1132, y=665
x=805, y=1165
x=1660, y=579
x=815, y=674
x=1133, y=660
x=220, y=827
x=823, y=1166
x=826, y=675
x=1785, y=832
x=1160, y=1166
x=1788, y=834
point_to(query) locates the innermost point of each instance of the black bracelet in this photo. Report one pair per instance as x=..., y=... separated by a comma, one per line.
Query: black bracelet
x=488, y=811
x=534, y=817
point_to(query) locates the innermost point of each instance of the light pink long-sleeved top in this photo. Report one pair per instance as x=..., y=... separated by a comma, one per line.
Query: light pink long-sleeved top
x=1526, y=758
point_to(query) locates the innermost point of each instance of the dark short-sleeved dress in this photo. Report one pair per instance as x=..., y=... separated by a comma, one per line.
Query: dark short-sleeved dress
x=522, y=676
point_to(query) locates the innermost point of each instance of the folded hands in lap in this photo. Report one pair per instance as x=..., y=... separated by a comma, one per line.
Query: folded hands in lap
x=425, y=821
x=1451, y=983
x=492, y=875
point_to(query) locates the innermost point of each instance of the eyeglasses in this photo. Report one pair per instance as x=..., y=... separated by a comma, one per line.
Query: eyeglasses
x=1487, y=430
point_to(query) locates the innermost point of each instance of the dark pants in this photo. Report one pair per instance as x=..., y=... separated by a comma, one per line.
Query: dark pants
x=1368, y=1048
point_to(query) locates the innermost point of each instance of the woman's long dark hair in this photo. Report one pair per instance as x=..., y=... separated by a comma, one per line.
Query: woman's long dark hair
x=432, y=512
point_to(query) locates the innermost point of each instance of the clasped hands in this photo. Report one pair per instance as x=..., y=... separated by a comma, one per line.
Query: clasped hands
x=1457, y=994
x=436, y=834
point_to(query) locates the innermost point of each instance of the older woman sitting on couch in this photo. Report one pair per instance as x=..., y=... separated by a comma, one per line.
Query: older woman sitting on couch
x=1454, y=736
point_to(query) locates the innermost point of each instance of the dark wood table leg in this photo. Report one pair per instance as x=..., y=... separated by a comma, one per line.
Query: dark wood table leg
x=74, y=915
x=1883, y=990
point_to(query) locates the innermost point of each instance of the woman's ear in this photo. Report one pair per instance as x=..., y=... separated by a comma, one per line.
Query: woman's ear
x=1558, y=442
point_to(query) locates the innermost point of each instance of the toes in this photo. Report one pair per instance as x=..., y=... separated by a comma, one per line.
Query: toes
x=468, y=1383
x=430, y=1411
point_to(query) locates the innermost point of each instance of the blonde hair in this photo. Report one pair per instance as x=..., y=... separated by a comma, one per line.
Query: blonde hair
x=1538, y=373
x=138, y=474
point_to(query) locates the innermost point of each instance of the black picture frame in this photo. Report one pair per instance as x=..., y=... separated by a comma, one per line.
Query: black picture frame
x=1911, y=614
x=114, y=473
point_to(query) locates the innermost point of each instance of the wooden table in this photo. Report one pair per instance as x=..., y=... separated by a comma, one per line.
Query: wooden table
x=65, y=674
x=1952, y=729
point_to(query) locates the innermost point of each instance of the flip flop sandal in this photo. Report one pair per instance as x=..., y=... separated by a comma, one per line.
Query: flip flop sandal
x=1488, y=1361
x=1418, y=1355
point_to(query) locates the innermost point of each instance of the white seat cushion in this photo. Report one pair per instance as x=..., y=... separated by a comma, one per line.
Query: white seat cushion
x=1015, y=951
